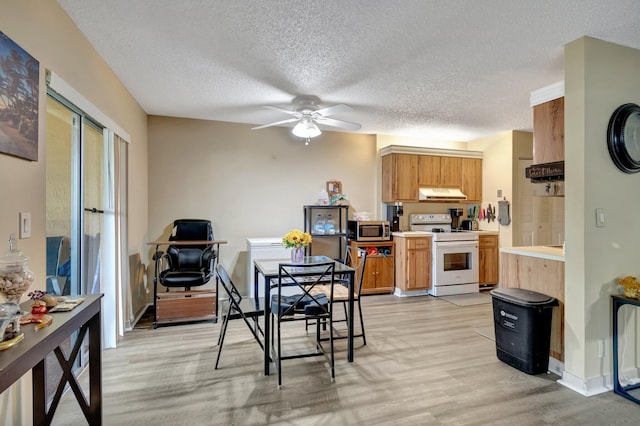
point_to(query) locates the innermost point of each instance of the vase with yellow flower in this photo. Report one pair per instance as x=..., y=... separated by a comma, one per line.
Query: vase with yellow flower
x=296, y=240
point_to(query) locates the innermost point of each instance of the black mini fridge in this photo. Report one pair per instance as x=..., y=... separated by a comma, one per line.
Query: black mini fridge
x=522, y=320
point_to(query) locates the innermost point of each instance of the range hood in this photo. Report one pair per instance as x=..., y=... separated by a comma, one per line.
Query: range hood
x=446, y=194
x=546, y=172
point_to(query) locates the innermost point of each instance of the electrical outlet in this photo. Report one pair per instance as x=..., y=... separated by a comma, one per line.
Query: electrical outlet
x=499, y=193
x=25, y=225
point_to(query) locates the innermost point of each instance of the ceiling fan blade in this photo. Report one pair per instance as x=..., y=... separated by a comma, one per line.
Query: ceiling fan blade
x=288, y=120
x=346, y=125
x=332, y=110
x=286, y=111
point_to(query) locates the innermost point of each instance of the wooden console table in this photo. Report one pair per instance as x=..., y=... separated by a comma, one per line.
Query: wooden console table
x=30, y=354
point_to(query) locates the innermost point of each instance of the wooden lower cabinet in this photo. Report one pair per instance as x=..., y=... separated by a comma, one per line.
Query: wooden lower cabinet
x=413, y=263
x=488, y=257
x=544, y=276
x=378, y=275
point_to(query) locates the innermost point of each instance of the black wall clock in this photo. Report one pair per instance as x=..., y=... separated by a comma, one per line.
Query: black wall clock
x=623, y=138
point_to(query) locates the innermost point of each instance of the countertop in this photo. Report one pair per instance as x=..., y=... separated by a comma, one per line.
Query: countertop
x=413, y=234
x=543, y=252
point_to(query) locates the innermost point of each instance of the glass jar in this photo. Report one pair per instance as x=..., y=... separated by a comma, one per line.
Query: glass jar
x=15, y=277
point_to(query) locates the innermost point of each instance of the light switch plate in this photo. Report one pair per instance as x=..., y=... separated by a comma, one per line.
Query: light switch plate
x=25, y=225
x=600, y=218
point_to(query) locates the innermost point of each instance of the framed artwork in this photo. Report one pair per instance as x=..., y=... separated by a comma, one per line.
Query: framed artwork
x=334, y=187
x=19, y=94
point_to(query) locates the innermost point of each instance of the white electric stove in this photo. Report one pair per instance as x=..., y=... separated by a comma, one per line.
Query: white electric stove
x=454, y=256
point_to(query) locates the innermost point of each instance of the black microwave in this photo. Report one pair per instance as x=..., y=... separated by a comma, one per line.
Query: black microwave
x=369, y=230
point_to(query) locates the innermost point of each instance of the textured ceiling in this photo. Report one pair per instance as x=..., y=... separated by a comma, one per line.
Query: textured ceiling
x=447, y=69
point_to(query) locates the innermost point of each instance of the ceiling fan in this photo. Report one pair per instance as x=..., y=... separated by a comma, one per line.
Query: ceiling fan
x=306, y=112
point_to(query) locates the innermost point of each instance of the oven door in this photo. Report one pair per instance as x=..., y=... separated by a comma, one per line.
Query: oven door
x=455, y=262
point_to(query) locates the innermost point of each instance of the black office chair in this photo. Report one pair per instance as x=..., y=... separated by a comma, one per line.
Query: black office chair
x=185, y=266
x=302, y=306
x=238, y=307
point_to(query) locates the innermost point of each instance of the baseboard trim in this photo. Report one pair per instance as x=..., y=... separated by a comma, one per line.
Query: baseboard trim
x=556, y=366
x=590, y=387
x=137, y=317
x=409, y=293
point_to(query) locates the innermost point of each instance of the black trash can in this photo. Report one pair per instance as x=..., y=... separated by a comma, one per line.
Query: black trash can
x=522, y=320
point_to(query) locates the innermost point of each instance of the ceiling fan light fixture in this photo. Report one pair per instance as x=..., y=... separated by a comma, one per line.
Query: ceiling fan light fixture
x=306, y=128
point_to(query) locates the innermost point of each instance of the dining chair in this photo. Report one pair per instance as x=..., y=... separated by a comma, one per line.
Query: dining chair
x=355, y=257
x=303, y=305
x=238, y=307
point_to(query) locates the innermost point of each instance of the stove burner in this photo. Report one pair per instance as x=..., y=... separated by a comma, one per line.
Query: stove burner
x=437, y=230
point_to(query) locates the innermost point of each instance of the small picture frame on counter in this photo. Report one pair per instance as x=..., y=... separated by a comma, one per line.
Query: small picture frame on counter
x=334, y=187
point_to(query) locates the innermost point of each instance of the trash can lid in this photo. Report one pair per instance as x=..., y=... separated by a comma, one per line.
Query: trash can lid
x=523, y=297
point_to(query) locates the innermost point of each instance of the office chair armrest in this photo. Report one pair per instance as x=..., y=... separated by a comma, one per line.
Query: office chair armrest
x=162, y=261
x=158, y=255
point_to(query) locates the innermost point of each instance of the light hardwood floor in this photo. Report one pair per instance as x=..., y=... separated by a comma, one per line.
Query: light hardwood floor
x=423, y=365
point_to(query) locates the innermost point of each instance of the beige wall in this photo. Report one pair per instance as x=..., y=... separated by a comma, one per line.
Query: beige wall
x=497, y=165
x=599, y=77
x=250, y=183
x=522, y=148
x=43, y=29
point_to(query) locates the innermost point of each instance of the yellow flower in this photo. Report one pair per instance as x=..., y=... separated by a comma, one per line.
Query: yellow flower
x=296, y=238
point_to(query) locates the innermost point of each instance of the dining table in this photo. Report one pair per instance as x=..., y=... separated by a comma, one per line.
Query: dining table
x=269, y=269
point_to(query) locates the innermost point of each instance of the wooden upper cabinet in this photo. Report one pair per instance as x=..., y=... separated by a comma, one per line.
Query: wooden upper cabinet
x=403, y=174
x=439, y=172
x=450, y=172
x=428, y=171
x=548, y=132
x=399, y=178
x=472, y=179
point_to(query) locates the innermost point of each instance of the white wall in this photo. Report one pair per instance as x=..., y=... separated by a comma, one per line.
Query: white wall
x=599, y=77
x=250, y=183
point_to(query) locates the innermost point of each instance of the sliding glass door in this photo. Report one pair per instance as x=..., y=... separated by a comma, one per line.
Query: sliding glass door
x=80, y=206
x=93, y=209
